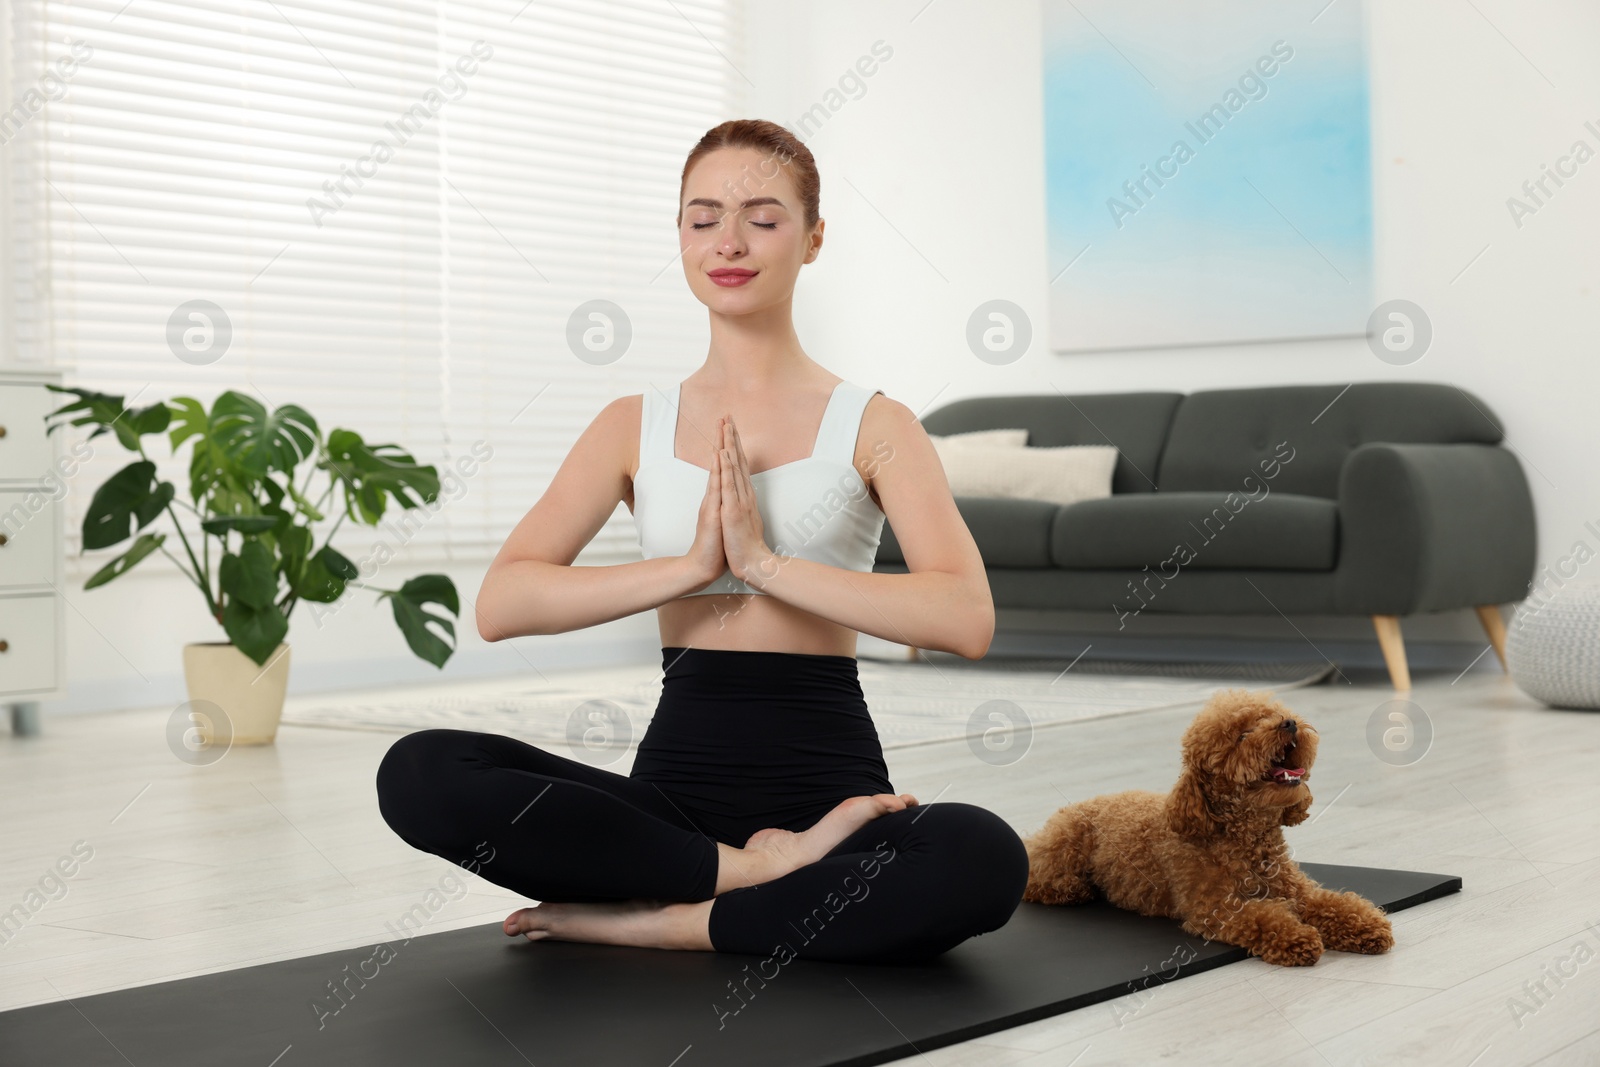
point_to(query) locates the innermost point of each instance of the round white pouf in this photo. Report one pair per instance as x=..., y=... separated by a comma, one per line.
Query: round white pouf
x=1553, y=647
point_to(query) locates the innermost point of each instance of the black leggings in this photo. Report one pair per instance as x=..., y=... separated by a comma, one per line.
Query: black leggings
x=739, y=741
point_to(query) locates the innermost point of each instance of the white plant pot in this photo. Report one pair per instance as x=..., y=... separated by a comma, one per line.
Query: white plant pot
x=250, y=696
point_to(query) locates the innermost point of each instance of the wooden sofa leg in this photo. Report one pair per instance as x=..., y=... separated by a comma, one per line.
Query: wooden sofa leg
x=1394, y=649
x=1495, y=626
x=911, y=653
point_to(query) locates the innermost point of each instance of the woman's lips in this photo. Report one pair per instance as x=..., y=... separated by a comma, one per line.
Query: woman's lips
x=731, y=281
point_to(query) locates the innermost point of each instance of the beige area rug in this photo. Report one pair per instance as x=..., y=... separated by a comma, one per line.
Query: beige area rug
x=939, y=697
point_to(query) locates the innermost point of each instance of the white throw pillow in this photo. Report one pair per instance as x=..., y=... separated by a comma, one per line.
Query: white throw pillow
x=968, y=438
x=1062, y=475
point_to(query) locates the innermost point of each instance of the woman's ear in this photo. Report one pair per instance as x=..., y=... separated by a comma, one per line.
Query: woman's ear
x=1295, y=814
x=1186, y=809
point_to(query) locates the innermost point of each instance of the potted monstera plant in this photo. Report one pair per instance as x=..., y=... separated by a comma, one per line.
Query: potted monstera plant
x=243, y=492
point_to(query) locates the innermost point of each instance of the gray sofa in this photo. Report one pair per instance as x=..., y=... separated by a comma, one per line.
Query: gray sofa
x=1382, y=499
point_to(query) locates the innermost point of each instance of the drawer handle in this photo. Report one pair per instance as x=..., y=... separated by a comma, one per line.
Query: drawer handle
x=2, y=431
x=4, y=644
x=3, y=540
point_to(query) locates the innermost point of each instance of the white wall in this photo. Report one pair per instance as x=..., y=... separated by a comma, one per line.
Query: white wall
x=933, y=192
x=933, y=188
x=125, y=640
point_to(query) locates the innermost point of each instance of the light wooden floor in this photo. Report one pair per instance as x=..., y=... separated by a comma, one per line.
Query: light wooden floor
x=280, y=852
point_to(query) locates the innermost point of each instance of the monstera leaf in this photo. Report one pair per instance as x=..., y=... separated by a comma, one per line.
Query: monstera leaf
x=254, y=441
x=210, y=472
x=254, y=631
x=413, y=620
x=146, y=544
x=125, y=504
x=325, y=576
x=108, y=413
x=251, y=616
x=369, y=473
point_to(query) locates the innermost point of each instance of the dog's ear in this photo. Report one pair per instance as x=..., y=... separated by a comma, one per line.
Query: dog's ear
x=1186, y=809
x=1295, y=814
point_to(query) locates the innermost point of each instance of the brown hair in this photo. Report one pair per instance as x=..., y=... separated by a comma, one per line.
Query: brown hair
x=781, y=147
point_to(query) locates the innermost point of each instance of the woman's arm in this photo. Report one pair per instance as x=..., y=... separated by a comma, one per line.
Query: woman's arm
x=942, y=603
x=531, y=586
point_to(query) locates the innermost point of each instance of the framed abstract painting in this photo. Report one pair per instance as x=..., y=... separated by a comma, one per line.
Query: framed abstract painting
x=1208, y=172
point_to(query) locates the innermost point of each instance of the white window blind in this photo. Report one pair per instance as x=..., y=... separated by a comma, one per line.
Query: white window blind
x=418, y=293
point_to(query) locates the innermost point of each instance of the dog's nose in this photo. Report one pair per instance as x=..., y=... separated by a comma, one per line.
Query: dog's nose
x=1289, y=724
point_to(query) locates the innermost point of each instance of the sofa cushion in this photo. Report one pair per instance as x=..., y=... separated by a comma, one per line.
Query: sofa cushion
x=1015, y=437
x=1206, y=531
x=1135, y=423
x=1008, y=533
x=1061, y=475
x=1221, y=437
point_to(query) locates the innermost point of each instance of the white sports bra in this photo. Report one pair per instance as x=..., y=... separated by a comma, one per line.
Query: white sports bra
x=815, y=508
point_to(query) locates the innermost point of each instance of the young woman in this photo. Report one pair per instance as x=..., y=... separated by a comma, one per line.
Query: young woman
x=758, y=816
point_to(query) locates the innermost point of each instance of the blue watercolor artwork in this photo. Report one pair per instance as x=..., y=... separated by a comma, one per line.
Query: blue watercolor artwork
x=1208, y=172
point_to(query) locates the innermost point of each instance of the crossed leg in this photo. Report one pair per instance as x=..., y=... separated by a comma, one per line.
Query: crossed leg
x=906, y=886
x=531, y=821
x=614, y=860
x=768, y=856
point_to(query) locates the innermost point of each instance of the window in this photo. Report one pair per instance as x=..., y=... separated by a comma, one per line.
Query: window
x=397, y=208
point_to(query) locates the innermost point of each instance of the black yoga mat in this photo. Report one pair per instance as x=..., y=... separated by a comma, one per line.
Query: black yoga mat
x=477, y=997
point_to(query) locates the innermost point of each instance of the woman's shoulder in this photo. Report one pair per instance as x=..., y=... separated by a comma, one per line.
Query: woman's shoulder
x=889, y=428
x=621, y=410
x=615, y=430
x=883, y=413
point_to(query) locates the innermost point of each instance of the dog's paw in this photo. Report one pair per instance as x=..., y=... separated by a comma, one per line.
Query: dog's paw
x=1047, y=891
x=1369, y=934
x=1297, y=947
x=1349, y=922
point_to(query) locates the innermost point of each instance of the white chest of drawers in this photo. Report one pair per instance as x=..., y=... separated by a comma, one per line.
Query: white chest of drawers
x=32, y=486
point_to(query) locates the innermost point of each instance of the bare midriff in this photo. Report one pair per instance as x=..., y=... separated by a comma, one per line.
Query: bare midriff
x=750, y=622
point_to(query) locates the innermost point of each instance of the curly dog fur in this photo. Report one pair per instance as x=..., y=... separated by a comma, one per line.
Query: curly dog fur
x=1211, y=852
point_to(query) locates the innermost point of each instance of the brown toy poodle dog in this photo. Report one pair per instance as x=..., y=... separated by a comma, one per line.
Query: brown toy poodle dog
x=1211, y=852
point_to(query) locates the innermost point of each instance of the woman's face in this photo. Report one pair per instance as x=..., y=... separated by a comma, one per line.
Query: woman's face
x=742, y=222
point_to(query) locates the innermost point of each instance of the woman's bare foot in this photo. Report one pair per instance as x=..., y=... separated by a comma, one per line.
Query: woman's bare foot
x=772, y=853
x=641, y=923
